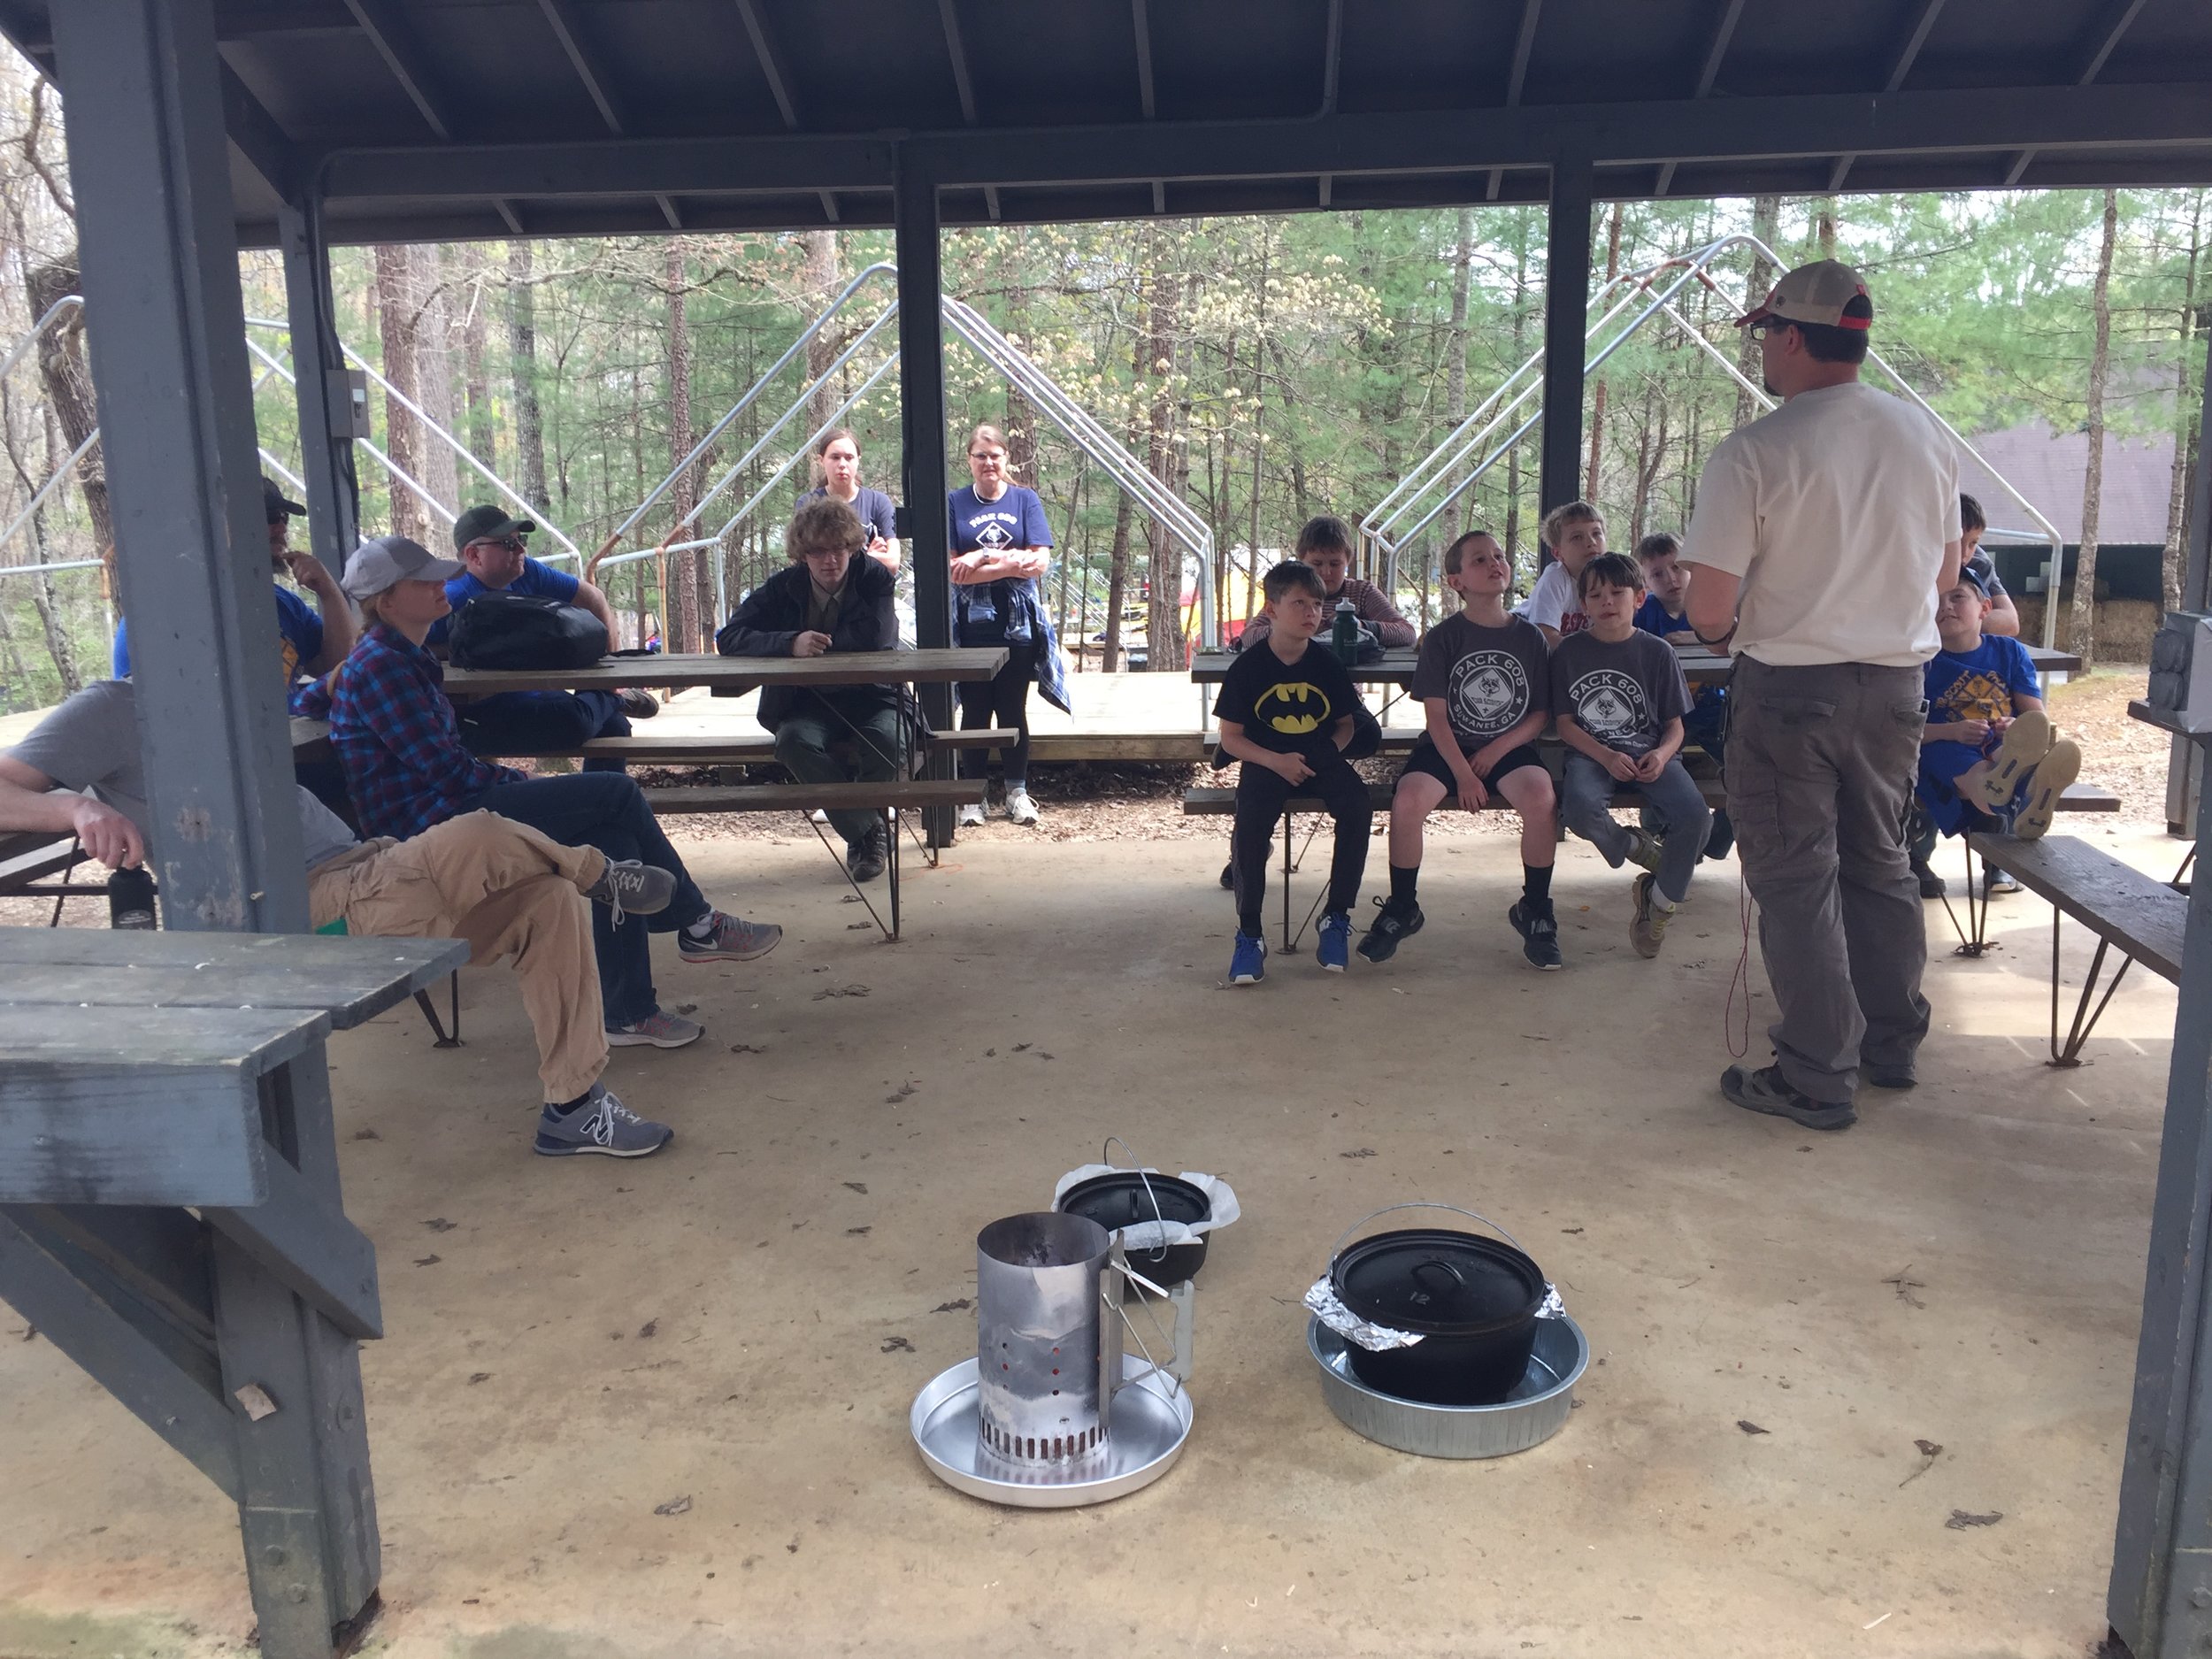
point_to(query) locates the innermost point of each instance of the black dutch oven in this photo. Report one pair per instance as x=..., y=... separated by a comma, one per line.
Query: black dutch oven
x=1121, y=1199
x=1472, y=1300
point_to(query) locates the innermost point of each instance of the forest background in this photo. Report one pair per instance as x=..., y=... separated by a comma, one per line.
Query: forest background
x=1264, y=368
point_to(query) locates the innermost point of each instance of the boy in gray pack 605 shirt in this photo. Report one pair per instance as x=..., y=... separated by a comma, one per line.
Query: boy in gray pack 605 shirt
x=1618, y=696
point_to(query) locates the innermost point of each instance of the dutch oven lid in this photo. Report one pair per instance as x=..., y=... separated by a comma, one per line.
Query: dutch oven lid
x=1121, y=1199
x=1437, y=1282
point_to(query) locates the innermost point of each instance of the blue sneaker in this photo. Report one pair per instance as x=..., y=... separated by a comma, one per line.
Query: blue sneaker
x=1248, y=964
x=602, y=1125
x=1334, y=942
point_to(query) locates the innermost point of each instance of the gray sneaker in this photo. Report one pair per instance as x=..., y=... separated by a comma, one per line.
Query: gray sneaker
x=728, y=939
x=1644, y=850
x=630, y=889
x=660, y=1030
x=602, y=1124
x=1767, y=1090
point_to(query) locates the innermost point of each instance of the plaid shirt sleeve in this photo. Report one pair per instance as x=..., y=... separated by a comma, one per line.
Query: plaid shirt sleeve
x=1373, y=606
x=395, y=731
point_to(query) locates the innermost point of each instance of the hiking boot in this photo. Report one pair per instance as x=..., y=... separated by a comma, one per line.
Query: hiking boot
x=1393, y=926
x=1766, y=1090
x=1539, y=932
x=657, y=1030
x=728, y=939
x=970, y=816
x=2026, y=740
x=1247, y=963
x=864, y=858
x=1333, y=942
x=2053, y=773
x=1020, y=808
x=638, y=705
x=602, y=1124
x=1644, y=848
x=1649, y=925
x=630, y=889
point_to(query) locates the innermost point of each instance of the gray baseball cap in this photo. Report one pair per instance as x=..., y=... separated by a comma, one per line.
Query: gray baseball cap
x=376, y=566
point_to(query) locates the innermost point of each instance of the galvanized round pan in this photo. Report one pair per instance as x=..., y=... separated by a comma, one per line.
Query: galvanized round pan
x=1148, y=1424
x=1531, y=1414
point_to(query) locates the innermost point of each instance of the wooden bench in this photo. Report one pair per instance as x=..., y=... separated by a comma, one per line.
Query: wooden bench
x=2144, y=916
x=890, y=798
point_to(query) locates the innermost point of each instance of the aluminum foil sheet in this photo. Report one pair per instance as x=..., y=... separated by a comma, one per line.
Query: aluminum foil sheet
x=1322, y=1301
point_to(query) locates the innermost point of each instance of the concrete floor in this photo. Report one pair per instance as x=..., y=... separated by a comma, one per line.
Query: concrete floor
x=743, y=1321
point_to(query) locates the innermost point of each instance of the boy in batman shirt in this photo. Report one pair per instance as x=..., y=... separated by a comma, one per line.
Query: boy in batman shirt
x=1286, y=711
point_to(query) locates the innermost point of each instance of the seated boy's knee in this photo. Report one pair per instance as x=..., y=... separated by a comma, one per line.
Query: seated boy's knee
x=795, y=740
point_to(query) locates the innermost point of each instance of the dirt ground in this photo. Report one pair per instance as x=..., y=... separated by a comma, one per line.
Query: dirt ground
x=734, y=1331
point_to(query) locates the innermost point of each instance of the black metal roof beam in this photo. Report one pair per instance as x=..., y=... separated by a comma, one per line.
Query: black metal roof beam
x=1333, y=58
x=1517, y=74
x=255, y=134
x=564, y=18
x=36, y=44
x=402, y=51
x=964, y=84
x=779, y=77
x=2091, y=58
x=1925, y=123
x=1709, y=72
x=1900, y=65
x=667, y=206
x=1139, y=17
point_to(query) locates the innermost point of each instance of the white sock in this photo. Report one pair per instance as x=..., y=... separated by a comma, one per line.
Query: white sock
x=1660, y=901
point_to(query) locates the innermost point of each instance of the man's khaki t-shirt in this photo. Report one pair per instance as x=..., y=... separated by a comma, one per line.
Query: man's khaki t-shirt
x=1834, y=510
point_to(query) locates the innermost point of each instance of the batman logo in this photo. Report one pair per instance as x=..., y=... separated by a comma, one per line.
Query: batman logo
x=1293, y=708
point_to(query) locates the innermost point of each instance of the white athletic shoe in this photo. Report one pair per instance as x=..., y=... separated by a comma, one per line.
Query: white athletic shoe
x=969, y=817
x=1019, y=806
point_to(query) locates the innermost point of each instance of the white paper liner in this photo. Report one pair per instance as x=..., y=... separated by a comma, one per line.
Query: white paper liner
x=1221, y=1200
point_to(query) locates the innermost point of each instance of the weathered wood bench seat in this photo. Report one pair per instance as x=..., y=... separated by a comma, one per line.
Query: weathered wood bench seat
x=2143, y=916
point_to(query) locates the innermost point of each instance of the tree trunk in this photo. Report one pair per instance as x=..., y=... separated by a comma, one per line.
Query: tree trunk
x=1164, y=616
x=1454, y=384
x=690, y=577
x=1766, y=218
x=2084, y=630
x=1116, y=582
x=68, y=383
x=433, y=377
x=1021, y=418
x=1824, y=226
x=2186, y=410
x=822, y=276
x=1520, y=352
x=1597, y=410
x=522, y=351
x=402, y=433
x=482, y=436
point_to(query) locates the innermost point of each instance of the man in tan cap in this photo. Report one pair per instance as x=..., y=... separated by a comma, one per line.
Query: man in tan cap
x=1822, y=536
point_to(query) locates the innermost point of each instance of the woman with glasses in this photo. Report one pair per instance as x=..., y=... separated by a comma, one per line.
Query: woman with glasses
x=1000, y=549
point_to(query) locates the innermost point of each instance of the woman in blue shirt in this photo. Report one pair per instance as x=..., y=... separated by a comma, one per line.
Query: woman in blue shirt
x=1001, y=546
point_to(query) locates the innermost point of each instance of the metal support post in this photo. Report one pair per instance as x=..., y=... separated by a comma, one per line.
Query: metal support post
x=151, y=161
x=2185, y=772
x=2160, y=1603
x=922, y=429
x=1566, y=320
x=324, y=389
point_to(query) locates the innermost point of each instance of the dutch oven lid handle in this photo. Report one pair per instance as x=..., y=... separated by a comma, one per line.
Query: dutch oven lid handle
x=1456, y=1209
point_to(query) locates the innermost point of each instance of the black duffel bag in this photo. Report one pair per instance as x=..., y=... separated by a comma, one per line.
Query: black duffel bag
x=503, y=630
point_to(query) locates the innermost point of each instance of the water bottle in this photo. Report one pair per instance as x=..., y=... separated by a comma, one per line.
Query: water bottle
x=1345, y=636
x=131, y=899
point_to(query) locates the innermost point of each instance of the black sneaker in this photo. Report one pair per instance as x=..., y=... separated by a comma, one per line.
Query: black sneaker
x=1391, y=928
x=1767, y=1090
x=1931, y=884
x=1721, y=839
x=1229, y=877
x=1539, y=932
x=864, y=858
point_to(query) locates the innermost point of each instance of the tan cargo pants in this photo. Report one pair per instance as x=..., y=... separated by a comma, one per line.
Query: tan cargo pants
x=515, y=895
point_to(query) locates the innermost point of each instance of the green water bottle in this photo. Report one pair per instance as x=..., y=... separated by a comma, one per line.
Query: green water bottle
x=1345, y=635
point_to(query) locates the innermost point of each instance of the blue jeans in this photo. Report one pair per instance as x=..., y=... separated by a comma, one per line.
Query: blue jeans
x=606, y=810
x=543, y=722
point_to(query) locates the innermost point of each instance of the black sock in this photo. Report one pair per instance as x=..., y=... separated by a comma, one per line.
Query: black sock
x=1402, y=885
x=561, y=1108
x=1249, y=924
x=1536, y=884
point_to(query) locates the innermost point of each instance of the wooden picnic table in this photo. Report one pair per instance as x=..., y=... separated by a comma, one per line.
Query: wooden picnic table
x=661, y=671
x=1700, y=667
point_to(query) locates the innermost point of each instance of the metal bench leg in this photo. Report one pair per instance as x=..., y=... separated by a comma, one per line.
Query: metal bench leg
x=2084, y=1018
x=1974, y=938
x=892, y=870
x=891, y=930
x=445, y=1040
x=1290, y=829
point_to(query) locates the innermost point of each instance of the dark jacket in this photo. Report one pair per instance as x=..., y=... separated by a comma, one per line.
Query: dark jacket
x=769, y=618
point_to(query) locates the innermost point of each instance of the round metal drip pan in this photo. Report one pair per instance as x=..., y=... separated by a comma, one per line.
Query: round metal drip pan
x=1149, y=1423
x=1532, y=1413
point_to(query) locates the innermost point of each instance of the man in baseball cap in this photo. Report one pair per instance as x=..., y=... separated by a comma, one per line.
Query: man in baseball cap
x=490, y=543
x=1822, y=536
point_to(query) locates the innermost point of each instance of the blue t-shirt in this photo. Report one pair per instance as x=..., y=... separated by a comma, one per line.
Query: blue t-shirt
x=541, y=580
x=872, y=507
x=1016, y=520
x=1653, y=618
x=300, y=632
x=1979, y=684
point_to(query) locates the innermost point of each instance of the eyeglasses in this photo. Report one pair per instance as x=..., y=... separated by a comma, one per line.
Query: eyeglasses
x=513, y=543
x=1764, y=327
x=987, y=455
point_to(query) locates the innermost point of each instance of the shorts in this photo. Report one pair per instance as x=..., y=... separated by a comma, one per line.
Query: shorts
x=1428, y=760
